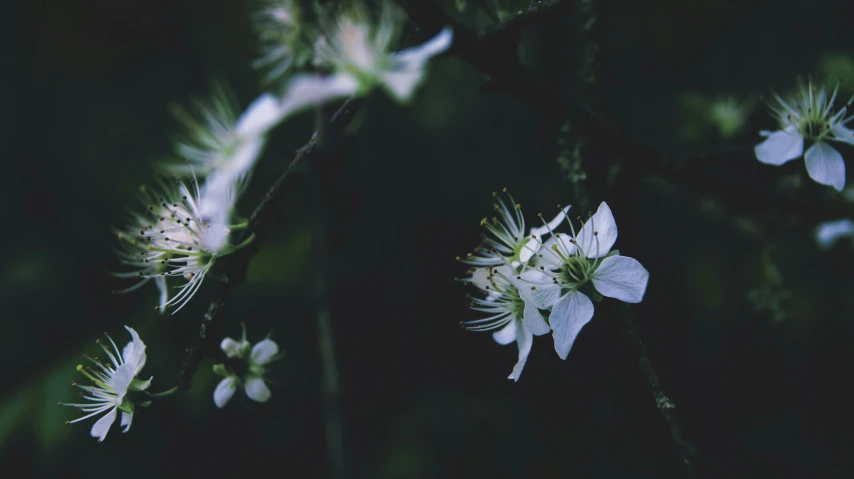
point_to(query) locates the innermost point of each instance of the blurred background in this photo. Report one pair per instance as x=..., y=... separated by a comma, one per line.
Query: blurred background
x=746, y=321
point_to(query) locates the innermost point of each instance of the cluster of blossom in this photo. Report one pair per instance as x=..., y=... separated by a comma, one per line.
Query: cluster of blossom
x=186, y=222
x=540, y=282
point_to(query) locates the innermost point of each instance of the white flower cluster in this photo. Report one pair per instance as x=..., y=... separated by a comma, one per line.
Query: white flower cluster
x=530, y=285
x=183, y=230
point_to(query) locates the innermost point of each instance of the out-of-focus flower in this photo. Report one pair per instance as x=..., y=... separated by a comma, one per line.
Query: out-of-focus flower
x=285, y=42
x=729, y=115
x=566, y=264
x=357, y=54
x=809, y=115
x=217, y=140
x=111, y=383
x=172, y=240
x=249, y=365
x=828, y=233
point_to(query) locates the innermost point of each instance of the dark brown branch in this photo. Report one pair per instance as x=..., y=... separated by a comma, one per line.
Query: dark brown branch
x=265, y=216
x=662, y=401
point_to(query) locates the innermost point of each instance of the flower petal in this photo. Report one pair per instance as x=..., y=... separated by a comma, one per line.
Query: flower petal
x=230, y=347
x=569, y=314
x=127, y=418
x=407, y=69
x=263, y=352
x=223, y=392
x=545, y=292
x=307, y=90
x=102, y=426
x=120, y=380
x=827, y=233
x=134, y=352
x=553, y=224
x=531, y=317
x=262, y=115
x=622, y=278
x=507, y=334
x=599, y=233
x=256, y=389
x=843, y=134
x=524, y=340
x=780, y=147
x=825, y=165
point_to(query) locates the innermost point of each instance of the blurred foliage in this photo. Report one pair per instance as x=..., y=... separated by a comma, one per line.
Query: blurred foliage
x=85, y=115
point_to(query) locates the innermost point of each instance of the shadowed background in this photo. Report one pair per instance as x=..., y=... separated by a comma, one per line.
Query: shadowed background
x=761, y=389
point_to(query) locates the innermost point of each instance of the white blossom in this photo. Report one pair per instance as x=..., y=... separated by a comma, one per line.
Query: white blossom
x=249, y=369
x=284, y=39
x=512, y=315
x=505, y=250
x=809, y=116
x=111, y=383
x=566, y=264
x=172, y=241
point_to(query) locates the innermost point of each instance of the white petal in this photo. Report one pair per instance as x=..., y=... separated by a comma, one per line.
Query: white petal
x=826, y=234
x=548, y=257
x=416, y=57
x=306, y=90
x=262, y=115
x=480, y=278
x=545, y=292
x=127, y=418
x=622, y=278
x=825, y=165
x=408, y=65
x=230, y=347
x=136, y=351
x=599, y=233
x=263, y=352
x=569, y=314
x=256, y=389
x=551, y=225
x=507, y=334
x=780, y=147
x=223, y=392
x=844, y=134
x=532, y=318
x=121, y=379
x=102, y=426
x=524, y=340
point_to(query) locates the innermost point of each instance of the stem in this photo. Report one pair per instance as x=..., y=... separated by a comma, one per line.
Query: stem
x=662, y=401
x=329, y=367
x=163, y=394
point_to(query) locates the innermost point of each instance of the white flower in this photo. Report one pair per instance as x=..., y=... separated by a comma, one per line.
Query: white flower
x=506, y=242
x=217, y=140
x=566, y=264
x=512, y=312
x=172, y=240
x=829, y=232
x=283, y=38
x=809, y=116
x=249, y=367
x=111, y=385
x=357, y=53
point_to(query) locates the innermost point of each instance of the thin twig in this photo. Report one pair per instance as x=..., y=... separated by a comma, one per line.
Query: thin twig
x=236, y=264
x=662, y=401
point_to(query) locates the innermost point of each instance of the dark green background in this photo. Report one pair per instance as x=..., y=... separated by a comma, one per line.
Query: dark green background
x=85, y=94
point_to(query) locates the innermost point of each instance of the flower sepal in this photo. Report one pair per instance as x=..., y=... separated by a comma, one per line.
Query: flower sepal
x=139, y=385
x=220, y=370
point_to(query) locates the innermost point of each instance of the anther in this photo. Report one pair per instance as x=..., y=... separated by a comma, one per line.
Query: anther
x=518, y=206
x=504, y=190
x=533, y=288
x=595, y=233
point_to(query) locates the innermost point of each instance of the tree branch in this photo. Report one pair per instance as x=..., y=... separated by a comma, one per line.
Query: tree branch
x=260, y=224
